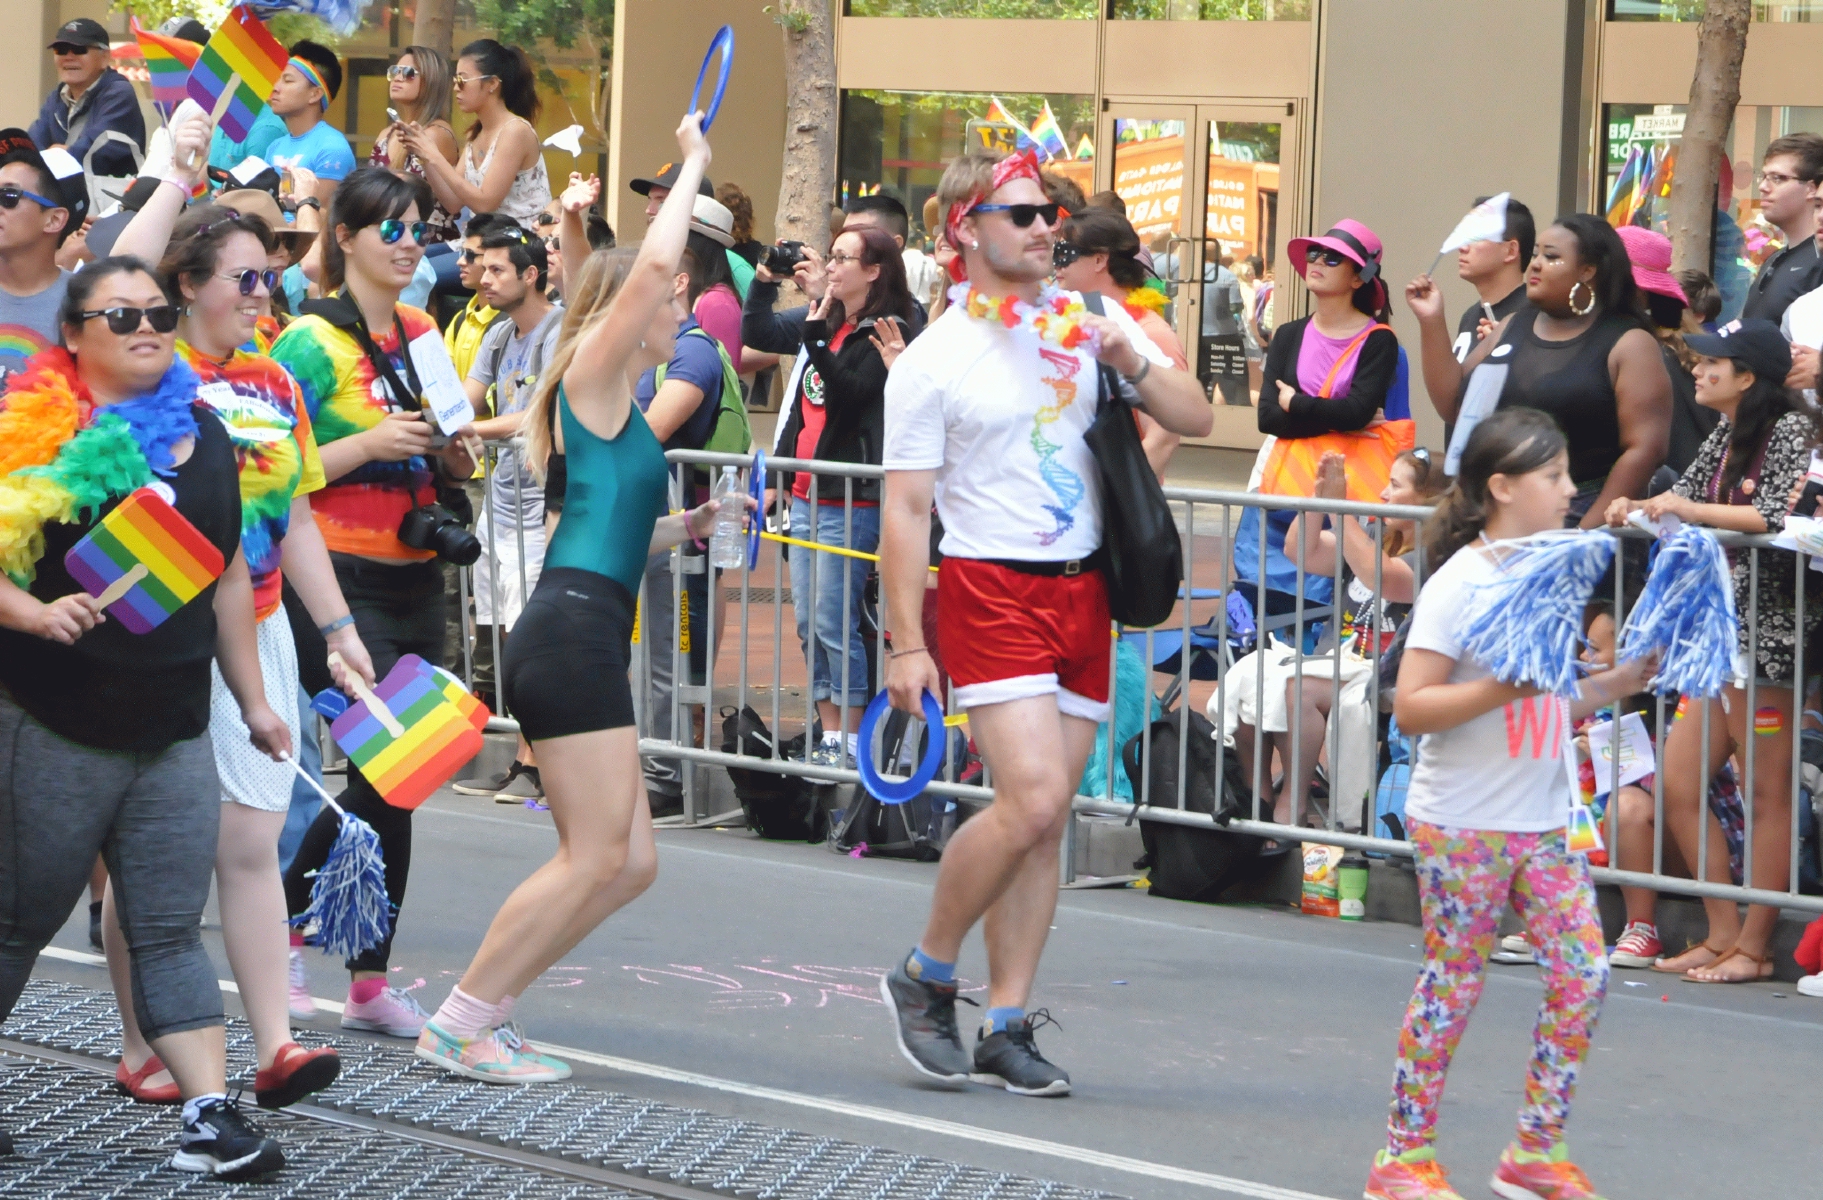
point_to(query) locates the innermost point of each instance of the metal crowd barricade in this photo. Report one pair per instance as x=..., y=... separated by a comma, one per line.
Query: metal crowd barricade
x=1208, y=522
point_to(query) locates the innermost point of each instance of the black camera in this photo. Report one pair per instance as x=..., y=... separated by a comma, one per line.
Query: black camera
x=433, y=527
x=784, y=258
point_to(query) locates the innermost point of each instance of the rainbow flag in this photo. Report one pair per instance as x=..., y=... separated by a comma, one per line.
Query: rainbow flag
x=437, y=736
x=241, y=47
x=1049, y=134
x=144, y=561
x=996, y=111
x=1628, y=192
x=168, y=62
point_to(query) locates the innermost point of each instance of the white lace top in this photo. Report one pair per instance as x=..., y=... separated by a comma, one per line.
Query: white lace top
x=531, y=189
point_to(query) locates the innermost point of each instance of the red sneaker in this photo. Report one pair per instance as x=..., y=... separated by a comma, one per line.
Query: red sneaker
x=295, y=1073
x=1638, y=946
x=1414, y=1175
x=1525, y=1176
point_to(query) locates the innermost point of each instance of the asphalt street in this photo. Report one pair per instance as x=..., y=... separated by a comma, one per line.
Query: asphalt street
x=1215, y=1050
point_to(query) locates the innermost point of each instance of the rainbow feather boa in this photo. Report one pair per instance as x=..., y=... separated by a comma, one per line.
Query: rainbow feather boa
x=62, y=458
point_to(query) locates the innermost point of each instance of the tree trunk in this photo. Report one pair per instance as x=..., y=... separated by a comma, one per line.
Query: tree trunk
x=436, y=27
x=1714, y=92
x=807, y=184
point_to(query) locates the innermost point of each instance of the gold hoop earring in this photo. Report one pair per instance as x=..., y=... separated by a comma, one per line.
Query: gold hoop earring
x=1586, y=309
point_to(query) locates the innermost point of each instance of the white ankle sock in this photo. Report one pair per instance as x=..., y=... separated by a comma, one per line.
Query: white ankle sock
x=463, y=1016
x=503, y=1011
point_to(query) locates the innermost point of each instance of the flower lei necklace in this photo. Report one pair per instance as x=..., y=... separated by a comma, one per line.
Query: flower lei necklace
x=62, y=457
x=1055, y=318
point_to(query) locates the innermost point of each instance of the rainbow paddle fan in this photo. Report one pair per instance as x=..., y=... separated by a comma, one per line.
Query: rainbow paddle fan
x=898, y=791
x=144, y=561
x=723, y=41
x=348, y=898
x=406, y=735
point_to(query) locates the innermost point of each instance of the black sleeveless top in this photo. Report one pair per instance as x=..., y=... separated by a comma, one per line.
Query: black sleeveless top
x=1570, y=381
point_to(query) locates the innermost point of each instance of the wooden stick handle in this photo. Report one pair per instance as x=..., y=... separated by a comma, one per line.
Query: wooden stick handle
x=306, y=777
x=375, y=705
x=120, y=587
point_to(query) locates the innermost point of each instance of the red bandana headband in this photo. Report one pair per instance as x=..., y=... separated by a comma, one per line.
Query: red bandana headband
x=1013, y=166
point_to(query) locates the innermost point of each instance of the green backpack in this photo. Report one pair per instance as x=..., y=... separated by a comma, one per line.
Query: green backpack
x=731, y=434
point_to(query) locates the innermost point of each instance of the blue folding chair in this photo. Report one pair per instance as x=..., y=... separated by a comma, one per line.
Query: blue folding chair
x=1210, y=655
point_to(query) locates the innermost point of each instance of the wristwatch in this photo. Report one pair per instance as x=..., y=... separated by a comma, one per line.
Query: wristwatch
x=307, y=202
x=1145, y=368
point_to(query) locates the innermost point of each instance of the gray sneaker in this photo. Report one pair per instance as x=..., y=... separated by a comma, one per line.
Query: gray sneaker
x=482, y=786
x=522, y=784
x=1010, y=1059
x=833, y=755
x=926, y=1024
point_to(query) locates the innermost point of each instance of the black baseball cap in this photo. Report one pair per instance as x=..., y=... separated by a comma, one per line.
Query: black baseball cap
x=83, y=31
x=1757, y=343
x=666, y=177
x=71, y=189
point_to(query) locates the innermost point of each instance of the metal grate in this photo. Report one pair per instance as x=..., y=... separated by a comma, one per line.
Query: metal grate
x=576, y=1124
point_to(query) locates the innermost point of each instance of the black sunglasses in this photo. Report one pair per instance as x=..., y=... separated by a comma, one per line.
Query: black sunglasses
x=1329, y=258
x=123, y=321
x=1065, y=253
x=251, y=279
x=11, y=194
x=392, y=229
x=1023, y=214
x=545, y=218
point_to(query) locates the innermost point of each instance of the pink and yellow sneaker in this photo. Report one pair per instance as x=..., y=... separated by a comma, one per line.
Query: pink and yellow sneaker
x=1414, y=1175
x=497, y=1056
x=1523, y=1175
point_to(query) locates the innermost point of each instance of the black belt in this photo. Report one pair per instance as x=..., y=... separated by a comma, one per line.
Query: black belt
x=1075, y=566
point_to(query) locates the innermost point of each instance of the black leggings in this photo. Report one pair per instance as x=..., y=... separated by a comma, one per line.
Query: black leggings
x=398, y=611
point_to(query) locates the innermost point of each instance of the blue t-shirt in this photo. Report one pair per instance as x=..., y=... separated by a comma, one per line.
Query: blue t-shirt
x=267, y=128
x=696, y=359
x=321, y=149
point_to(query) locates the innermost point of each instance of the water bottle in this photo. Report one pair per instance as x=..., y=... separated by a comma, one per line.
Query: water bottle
x=1813, y=488
x=727, y=544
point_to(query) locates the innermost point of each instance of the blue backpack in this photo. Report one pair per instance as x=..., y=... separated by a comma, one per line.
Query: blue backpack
x=1389, y=797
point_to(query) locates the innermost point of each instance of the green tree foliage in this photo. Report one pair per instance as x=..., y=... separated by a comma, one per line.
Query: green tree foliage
x=563, y=23
x=1075, y=10
x=286, y=27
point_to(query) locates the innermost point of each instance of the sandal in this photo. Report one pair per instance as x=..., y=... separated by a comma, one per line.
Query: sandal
x=1662, y=969
x=133, y=1083
x=1762, y=962
x=295, y=1073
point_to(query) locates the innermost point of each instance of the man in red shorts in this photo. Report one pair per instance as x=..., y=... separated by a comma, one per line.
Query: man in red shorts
x=985, y=411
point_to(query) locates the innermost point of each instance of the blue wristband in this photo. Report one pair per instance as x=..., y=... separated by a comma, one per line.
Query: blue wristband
x=341, y=622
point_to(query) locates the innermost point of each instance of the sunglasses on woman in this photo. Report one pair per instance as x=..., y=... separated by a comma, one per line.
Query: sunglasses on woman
x=1329, y=258
x=401, y=71
x=1065, y=253
x=251, y=279
x=1023, y=214
x=392, y=229
x=462, y=81
x=123, y=321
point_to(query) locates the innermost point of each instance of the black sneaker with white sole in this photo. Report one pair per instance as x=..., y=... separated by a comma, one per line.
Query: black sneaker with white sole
x=1010, y=1059
x=222, y=1143
x=925, y=1015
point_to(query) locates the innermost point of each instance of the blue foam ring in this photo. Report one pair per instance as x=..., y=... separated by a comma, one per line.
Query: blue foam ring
x=887, y=791
x=756, y=487
x=330, y=703
x=723, y=40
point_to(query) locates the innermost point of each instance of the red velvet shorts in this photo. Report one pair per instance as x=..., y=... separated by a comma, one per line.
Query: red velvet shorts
x=1008, y=635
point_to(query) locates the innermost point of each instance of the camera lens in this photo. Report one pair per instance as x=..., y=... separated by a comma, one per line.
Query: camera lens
x=455, y=544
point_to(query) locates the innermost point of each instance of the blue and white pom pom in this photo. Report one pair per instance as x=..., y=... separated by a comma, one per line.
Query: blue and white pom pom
x=1687, y=613
x=348, y=901
x=1526, y=625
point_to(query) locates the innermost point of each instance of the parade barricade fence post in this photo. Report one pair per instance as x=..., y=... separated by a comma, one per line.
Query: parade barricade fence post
x=1209, y=522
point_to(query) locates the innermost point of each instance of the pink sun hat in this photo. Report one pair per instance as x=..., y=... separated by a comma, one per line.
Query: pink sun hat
x=1650, y=253
x=1353, y=241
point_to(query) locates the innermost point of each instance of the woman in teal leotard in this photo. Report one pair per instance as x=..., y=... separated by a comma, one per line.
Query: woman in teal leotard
x=565, y=674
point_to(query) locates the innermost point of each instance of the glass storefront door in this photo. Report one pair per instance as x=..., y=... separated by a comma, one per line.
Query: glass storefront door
x=1202, y=187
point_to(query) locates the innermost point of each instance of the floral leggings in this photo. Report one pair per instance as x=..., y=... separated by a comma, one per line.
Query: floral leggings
x=1465, y=879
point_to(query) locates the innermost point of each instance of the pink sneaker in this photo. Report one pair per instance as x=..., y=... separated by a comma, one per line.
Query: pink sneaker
x=392, y=1012
x=497, y=1056
x=1414, y=1175
x=303, y=1004
x=1525, y=1176
x=1638, y=946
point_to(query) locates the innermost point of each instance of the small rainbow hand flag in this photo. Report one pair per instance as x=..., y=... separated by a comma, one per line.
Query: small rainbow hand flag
x=243, y=53
x=1582, y=834
x=144, y=561
x=455, y=692
x=168, y=62
x=406, y=735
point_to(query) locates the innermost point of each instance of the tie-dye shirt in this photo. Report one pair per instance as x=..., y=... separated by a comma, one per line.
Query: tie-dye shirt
x=275, y=449
x=360, y=512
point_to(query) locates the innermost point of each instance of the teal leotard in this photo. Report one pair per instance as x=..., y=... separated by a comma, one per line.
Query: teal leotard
x=614, y=495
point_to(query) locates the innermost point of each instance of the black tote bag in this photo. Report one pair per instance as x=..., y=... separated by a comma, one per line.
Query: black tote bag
x=1141, y=554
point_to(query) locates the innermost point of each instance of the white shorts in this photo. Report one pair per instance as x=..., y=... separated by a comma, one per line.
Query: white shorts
x=504, y=570
x=248, y=776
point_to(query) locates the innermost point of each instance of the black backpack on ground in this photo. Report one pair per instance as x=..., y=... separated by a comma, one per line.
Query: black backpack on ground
x=782, y=808
x=1188, y=862
x=917, y=829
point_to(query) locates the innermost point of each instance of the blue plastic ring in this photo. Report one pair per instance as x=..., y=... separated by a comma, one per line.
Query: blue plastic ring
x=756, y=487
x=724, y=40
x=898, y=792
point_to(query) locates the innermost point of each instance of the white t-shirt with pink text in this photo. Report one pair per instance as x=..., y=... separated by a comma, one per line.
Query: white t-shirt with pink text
x=1504, y=770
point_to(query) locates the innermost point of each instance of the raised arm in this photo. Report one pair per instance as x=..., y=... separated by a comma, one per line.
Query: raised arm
x=572, y=229
x=1443, y=375
x=602, y=353
x=148, y=233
